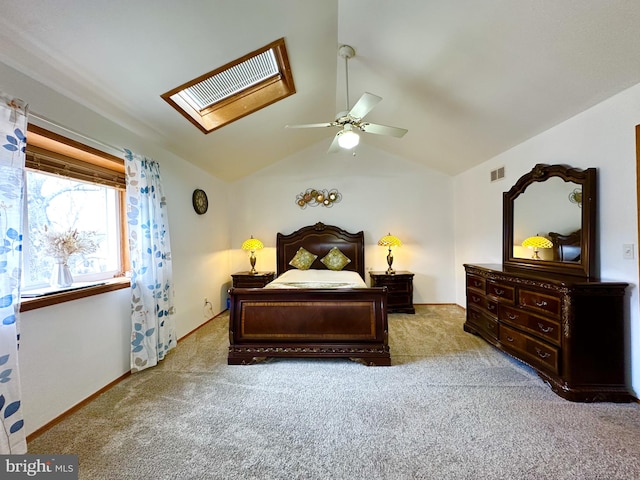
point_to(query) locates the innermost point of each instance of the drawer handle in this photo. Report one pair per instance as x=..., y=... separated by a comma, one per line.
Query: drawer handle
x=475, y=299
x=477, y=283
x=542, y=354
x=541, y=303
x=509, y=339
x=511, y=316
x=544, y=329
x=491, y=307
x=499, y=291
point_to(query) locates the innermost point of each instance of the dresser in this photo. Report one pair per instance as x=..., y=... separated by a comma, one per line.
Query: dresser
x=400, y=290
x=570, y=330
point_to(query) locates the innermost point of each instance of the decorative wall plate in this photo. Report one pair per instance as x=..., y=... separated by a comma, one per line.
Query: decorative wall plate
x=200, y=201
x=315, y=197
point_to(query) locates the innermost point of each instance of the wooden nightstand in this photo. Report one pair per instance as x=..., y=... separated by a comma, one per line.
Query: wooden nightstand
x=400, y=288
x=247, y=280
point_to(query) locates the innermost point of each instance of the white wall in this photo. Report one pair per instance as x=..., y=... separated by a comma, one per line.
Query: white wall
x=71, y=350
x=601, y=137
x=380, y=194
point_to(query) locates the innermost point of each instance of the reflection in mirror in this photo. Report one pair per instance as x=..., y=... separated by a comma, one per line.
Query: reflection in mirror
x=553, y=206
x=558, y=203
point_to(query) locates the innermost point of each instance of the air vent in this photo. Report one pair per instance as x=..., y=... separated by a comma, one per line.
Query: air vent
x=497, y=174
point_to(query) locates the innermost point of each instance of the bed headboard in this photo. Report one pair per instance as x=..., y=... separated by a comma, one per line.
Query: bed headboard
x=566, y=248
x=319, y=239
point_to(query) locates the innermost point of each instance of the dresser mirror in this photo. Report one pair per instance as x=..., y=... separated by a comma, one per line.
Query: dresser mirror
x=556, y=203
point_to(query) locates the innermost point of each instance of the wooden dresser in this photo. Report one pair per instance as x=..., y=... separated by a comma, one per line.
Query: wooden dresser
x=570, y=330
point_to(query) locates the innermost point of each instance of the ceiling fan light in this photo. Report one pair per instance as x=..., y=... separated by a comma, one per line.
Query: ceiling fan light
x=348, y=139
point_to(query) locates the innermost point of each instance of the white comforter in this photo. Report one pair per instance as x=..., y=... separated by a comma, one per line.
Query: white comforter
x=317, y=279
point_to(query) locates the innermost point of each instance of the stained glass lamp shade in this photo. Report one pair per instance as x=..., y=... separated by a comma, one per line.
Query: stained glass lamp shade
x=390, y=241
x=251, y=245
x=535, y=243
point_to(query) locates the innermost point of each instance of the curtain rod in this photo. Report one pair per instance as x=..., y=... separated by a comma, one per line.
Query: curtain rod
x=74, y=132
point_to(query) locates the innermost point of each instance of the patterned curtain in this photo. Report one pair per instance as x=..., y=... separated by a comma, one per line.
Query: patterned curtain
x=153, y=331
x=13, y=127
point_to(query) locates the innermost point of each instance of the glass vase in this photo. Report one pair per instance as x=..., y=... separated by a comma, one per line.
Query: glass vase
x=60, y=274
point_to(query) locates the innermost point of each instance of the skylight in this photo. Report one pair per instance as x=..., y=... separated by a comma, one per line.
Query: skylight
x=239, y=88
x=231, y=81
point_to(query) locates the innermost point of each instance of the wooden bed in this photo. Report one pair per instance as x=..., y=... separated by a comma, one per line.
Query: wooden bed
x=338, y=322
x=566, y=248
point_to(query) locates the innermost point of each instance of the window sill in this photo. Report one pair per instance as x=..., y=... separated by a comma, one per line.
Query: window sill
x=27, y=304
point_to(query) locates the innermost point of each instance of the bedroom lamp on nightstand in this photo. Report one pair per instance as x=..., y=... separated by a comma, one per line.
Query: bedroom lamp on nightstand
x=536, y=243
x=251, y=245
x=389, y=241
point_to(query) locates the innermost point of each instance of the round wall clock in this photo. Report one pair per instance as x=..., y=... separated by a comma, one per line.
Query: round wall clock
x=200, y=201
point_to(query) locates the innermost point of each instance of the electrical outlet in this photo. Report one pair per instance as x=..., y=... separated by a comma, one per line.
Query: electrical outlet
x=628, y=251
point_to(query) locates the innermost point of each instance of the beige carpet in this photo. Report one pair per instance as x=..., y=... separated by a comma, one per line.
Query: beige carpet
x=450, y=407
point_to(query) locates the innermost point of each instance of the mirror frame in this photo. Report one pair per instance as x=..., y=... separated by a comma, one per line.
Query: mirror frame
x=588, y=180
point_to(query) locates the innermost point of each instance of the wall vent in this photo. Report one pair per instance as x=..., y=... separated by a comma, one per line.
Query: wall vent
x=497, y=174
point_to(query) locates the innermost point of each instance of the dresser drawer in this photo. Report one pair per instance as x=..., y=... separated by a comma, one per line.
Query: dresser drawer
x=475, y=298
x=529, y=349
x=503, y=292
x=397, y=287
x=540, y=302
x=540, y=326
x=488, y=326
x=476, y=282
x=482, y=302
x=399, y=299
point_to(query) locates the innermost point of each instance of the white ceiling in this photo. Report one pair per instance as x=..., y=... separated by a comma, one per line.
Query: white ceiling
x=468, y=78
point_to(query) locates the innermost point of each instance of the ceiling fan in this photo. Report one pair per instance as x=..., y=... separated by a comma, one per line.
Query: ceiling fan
x=352, y=121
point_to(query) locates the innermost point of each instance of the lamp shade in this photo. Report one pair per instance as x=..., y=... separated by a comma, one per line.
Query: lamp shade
x=252, y=244
x=389, y=241
x=537, y=242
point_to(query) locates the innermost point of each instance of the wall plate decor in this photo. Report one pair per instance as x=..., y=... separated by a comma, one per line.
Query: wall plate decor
x=200, y=201
x=576, y=197
x=315, y=197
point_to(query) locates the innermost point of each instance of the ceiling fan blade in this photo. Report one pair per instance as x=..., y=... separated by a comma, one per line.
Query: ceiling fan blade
x=312, y=125
x=383, y=130
x=334, y=147
x=364, y=105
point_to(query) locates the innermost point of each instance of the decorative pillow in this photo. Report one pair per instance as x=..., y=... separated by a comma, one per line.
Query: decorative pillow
x=335, y=259
x=303, y=259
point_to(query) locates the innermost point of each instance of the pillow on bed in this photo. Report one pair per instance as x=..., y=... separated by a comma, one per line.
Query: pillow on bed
x=303, y=259
x=335, y=259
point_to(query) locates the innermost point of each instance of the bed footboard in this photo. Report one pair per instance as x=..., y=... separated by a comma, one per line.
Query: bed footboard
x=348, y=323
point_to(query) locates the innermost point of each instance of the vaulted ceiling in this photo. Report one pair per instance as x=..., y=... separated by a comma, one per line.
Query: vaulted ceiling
x=468, y=78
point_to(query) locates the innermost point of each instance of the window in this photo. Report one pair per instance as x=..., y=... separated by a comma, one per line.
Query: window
x=236, y=89
x=72, y=187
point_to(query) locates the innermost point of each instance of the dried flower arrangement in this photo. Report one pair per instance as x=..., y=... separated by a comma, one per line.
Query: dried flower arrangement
x=62, y=245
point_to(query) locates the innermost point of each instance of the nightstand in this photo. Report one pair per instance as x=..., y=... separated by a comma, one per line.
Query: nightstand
x=400, y=288
x=247, y=280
